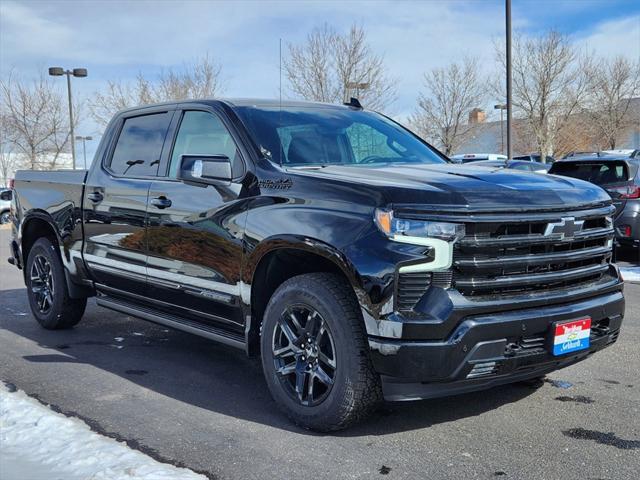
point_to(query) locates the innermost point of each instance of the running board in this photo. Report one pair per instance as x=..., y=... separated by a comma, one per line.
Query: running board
x=172, y=321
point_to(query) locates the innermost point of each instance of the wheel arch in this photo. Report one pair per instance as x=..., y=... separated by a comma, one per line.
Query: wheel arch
x=39, y=224
x=280, y=258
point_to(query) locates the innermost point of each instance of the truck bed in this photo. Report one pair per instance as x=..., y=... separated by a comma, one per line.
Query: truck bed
x=49, y=191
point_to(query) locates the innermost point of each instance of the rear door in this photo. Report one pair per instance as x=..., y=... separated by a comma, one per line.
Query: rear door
x=195, y=232
x=116, y=201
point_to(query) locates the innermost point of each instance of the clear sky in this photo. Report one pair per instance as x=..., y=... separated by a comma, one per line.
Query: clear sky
x=117, y=39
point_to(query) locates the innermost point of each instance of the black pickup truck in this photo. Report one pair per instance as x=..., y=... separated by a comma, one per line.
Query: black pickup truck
x=354, y=258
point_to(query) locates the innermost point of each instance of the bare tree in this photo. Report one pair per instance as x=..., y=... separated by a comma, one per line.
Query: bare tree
x=8, y=160
x=36, y=115
x=201, y=79
x=549, y=84
x=612, y=85
x=443, y=110
x=577, y=134
x=331, y=67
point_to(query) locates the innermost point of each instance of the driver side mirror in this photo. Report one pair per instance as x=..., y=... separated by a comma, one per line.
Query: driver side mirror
x=205, y=169
x=6, y=195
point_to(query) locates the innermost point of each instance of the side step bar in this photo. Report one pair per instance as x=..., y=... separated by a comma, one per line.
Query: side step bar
x=171, y=321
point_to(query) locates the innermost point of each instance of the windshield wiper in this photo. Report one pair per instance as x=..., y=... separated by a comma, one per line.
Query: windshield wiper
x=309, y=167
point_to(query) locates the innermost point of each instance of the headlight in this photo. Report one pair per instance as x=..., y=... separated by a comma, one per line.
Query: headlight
x=400, y=227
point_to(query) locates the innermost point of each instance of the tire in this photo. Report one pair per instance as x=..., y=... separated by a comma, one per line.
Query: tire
x=47, y=289
x=5, y=217
x=340, y=395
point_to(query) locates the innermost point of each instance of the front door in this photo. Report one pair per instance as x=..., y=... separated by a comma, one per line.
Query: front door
x=116, y=204
x=195, y=232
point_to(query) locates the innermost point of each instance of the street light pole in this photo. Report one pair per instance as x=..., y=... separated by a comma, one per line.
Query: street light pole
x=502, y=108
x=509, y=102
x=73, y=143
x=84, y=147
x=357, y=86
x=76, y=72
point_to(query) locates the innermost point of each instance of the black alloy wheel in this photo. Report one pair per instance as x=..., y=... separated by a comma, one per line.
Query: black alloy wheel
x=304, y=354
x=42, y=283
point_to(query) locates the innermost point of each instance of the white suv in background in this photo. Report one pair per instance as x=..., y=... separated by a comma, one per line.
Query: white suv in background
x=475, y=157
x=5, y=205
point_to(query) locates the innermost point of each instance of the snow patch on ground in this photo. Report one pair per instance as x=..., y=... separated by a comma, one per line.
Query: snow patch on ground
x=630, y=274
x=38, y=443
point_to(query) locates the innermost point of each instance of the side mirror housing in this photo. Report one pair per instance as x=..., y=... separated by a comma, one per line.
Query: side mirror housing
x=205, y=169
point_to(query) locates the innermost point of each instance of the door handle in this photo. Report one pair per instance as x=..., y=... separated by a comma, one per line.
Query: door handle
x=95, y=197
x=161, y=202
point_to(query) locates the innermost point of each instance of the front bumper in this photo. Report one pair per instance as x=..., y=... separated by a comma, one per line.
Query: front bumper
x=490, y=348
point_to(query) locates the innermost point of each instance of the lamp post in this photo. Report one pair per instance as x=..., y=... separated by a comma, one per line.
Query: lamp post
x=502, y=107
x=508, y=47
x=76, y=72
x=84, y=147
x=357, y=86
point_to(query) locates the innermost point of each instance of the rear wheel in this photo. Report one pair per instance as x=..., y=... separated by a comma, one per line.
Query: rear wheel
x=47, y=289
x=315, y=353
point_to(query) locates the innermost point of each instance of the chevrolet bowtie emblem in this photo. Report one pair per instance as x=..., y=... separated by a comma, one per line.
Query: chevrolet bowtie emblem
x=567, y=227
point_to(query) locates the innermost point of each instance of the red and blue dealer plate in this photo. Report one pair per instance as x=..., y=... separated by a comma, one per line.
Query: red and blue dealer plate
x=571, y=336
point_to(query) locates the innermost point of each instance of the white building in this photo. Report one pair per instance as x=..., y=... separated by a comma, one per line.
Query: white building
x=11, y=161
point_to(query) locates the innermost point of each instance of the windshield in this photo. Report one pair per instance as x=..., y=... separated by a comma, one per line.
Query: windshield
x=301, y=136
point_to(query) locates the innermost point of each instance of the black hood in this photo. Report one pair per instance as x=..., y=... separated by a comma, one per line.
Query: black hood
x=462, y=185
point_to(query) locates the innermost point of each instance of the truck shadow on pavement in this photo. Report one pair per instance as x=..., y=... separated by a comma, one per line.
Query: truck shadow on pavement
x=205, y=374
x=628, y=254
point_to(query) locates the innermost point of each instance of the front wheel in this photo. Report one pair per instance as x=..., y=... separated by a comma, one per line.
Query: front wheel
x=47, y=288
x=315, y=353
x=5, y=217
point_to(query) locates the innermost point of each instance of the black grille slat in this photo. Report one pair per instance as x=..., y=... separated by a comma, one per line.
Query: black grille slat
x=533, y=279
x=504, y=240
x=534, y=259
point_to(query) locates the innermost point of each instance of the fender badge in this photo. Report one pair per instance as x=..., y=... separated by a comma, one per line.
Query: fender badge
x=278, y=184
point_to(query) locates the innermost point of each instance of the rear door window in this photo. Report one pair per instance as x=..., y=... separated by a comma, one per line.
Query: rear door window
x=139, y=147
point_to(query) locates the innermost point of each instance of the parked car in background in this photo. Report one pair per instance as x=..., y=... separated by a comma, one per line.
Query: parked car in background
x=620, y=177
x=523, y=165
x=582, y=154
x=475, y=157
x=623, y=152
x=535, y=157
x=5, y=205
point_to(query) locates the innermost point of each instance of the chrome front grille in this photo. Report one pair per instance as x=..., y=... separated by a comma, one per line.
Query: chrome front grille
x=517, y=253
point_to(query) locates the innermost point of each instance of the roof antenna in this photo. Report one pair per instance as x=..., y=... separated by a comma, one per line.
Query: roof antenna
x=281, y=74
x=354, y=102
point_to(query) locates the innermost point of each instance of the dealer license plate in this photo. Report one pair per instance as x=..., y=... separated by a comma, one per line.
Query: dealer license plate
x=571, y=336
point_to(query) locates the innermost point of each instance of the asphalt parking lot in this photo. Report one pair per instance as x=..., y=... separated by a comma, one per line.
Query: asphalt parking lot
x=190, y=402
